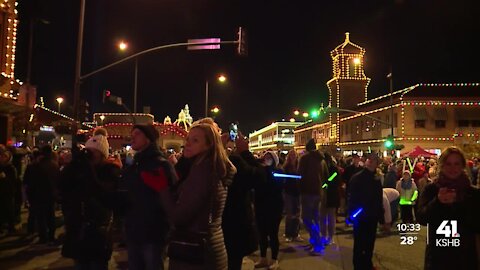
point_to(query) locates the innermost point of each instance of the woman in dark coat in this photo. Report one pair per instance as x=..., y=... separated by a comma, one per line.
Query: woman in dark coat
x=87, y=187
x=450, y=198
x=269, y=210
x=196, y=206
x=330, y=201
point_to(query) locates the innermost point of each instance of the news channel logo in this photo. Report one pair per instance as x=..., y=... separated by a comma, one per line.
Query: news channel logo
x=447, y=234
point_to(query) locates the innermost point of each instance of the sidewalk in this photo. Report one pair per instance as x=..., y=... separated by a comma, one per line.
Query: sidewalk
x=19, y=252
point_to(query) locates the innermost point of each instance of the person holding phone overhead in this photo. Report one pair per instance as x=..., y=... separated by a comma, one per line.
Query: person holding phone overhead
x=450, y=198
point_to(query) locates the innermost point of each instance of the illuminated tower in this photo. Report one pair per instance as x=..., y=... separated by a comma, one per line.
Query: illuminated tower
x=348, y=87
x=8, y=37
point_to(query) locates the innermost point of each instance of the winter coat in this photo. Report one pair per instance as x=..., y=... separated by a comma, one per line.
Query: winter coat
x=332, y=189
x=406, y=194
x=145, y=217
x=365, y=192
x=8, y=178
x=41, y=180
x=197, y=206
x=313, y=169
x=432, y=212
x=391, y=179
x=268, y=196
x=87, y=195
x=238, y=222
x=291, y=186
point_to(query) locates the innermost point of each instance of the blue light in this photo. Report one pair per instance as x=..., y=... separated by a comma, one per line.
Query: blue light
x=357, y=212
x=283, y=175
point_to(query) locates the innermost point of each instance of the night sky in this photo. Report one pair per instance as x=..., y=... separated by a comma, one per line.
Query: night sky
x=289, y=51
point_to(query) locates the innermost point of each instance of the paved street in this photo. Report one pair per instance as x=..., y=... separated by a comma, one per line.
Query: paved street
x=20, y=253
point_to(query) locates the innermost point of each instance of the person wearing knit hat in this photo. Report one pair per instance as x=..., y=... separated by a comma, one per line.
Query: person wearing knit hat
x=408, y=195
x=269, y=210
x=98, y=143
x=146, y=222
x=148, y=131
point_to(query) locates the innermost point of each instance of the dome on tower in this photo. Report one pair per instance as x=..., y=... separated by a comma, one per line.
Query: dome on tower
x=347, y=47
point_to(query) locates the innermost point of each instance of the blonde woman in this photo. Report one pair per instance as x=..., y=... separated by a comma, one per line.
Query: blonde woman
x=195, y=207
x=450, y=201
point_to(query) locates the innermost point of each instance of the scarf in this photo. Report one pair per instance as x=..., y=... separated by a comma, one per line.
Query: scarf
x=407, y=184
x=461, y=184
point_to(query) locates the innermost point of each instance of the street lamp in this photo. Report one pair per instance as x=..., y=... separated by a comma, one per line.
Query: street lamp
x=123, y=46
x=59, y=101
x=102, y=117
x=221, y=79
x=296, y=112
x=305, y=115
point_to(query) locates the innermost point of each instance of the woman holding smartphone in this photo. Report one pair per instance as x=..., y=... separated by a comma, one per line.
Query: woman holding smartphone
x=449, y=206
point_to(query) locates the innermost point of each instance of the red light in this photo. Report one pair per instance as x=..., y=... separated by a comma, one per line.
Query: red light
x=107, y=93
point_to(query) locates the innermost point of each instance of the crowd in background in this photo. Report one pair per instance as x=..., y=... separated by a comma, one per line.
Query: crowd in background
x=215, y=202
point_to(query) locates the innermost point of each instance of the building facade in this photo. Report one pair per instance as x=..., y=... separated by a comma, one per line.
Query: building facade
x=278, y=136
x=16, y=99
x=432, y=116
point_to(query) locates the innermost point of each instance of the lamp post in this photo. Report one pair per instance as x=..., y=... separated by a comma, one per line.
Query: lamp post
x=305, y=115
x=59, y=101
x=215, y=111
x=221, y=79
x=123, y=46
x=389, y=76
x=102, y=117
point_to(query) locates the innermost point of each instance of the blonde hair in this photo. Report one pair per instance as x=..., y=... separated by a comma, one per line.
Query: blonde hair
x=215, y=151
x=452, y=150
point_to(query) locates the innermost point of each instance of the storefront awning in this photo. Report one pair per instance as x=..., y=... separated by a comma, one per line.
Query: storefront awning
x=420, y=113
x=440, y=113
x=466, y=114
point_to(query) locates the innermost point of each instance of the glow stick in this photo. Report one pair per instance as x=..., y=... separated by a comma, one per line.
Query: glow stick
x=357, y=212
x=410, y=165
x=283, y=175
x=415, y=195
x=330, y=179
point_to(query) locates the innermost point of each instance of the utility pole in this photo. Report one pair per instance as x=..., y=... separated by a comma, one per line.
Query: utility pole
x=391, y=101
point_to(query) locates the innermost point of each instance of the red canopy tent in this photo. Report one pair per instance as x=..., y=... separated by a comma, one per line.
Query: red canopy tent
x=418, y=151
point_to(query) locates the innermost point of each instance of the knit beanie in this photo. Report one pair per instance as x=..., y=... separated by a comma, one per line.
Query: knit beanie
x=99, y=143
x=311, y=145
x=274, y=156
x=149, y=131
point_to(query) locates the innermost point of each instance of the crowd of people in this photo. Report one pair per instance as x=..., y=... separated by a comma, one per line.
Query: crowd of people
x=216, y=202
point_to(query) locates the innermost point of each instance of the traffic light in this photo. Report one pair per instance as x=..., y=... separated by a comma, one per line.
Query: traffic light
x=242, y=49
x=314, y=114
x=389, y=143
x=106, y=95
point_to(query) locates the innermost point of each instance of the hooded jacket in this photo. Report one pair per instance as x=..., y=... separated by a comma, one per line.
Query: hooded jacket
x=314, y=171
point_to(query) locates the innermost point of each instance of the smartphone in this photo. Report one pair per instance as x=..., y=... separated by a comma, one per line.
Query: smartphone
x=233, y=131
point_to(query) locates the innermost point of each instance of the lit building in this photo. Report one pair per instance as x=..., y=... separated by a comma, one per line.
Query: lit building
x=119, y=127
x=277, y=136
x=16, y=99
x=432, y=116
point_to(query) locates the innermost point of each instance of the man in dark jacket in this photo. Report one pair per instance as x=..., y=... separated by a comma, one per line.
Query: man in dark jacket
x=146, y=222
x=41, y=180
x=238, y=222
x=8, y=177
x=314, y=172
x=366, y=210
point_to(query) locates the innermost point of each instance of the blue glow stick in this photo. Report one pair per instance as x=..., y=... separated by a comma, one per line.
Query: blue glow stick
x=357, y=212
x=283, y=175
